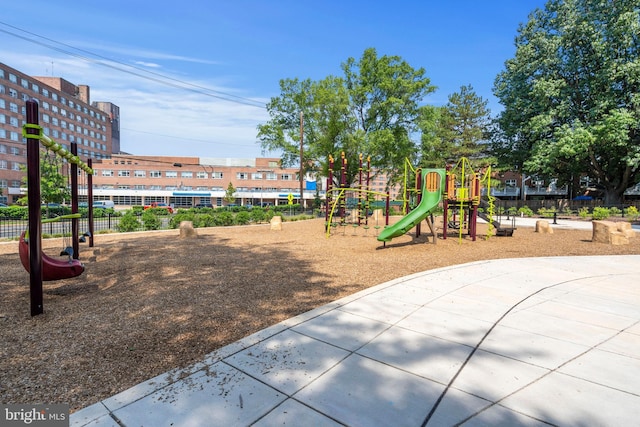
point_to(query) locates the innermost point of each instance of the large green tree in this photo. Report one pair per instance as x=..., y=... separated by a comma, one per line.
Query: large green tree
x=572, y=94
x=54, y=184
x=458, y=129
x=372, y=109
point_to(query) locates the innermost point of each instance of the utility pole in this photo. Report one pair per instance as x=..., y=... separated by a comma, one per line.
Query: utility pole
x=301, y=164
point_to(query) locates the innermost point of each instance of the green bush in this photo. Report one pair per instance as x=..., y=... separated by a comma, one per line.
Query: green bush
x=176, y=219
x=103, y=213
x=526, y=211
x=600, y=213
x=631, y=212
x=15, y=212
x=546, y=212
x=268, y=215
x=224, y=218
x=207, y=219
x=614, y=211
x=583, y=212
x=242, y=218
x=150, y=221
x=128, y=222
x=567, y=211
x=257, y=215
x=159, y=211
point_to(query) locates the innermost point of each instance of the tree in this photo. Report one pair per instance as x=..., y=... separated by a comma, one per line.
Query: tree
x=455, y=130
x=229, y=194
x=572, y=94
x=372, y=110
x=54, y=186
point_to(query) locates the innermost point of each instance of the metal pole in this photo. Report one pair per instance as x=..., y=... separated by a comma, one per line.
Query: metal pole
x=33, y=191
x=301, y=164
x=90, y=202
x=75, y=235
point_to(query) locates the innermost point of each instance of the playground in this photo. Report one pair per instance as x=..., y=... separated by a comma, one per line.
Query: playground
x=150, y=302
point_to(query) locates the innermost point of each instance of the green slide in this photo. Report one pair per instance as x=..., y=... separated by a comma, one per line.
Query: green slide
x=429, y=201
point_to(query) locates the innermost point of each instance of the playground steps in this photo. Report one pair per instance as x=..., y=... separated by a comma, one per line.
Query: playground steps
x=501, y=230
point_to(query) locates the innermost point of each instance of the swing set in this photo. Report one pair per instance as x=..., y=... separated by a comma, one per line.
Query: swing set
x=40, y=266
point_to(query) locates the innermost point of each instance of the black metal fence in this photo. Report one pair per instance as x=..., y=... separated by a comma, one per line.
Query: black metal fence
x=11, y=228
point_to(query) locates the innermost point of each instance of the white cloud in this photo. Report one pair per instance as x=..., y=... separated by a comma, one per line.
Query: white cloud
x=157, y=119
x=147, y=64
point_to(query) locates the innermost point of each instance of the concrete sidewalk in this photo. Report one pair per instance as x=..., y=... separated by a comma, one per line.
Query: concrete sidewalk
x=566, y=224
x=505, y=342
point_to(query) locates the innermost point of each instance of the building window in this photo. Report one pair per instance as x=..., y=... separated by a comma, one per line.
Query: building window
x=15, y=151
x=13, y=107
x=186, y=174
x=216, y=175
x=3, y=149
x=139, y=174
x=13, y=93
x=138, y=187
x=256, y=175
x=3, y=164
x=155, y=174
x=271, y=176
x=3, y=118
x=107, y=172
x=510, y=182
x=202, y=175
x=15, y=166
x=13, y=136
x=273, y=164
x=13, y=121
x=242, y=175
x=35, y=88
x=124, y=173
x=171, y=174
x=24, y=83
x=13, y=78
x=285, y=177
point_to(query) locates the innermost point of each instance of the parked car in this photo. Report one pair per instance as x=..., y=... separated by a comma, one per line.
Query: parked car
x=103, y=204
x=2, y=205
x=160, y=205
x=204, y=205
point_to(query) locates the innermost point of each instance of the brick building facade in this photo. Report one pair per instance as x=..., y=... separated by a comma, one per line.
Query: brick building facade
x=66, y=115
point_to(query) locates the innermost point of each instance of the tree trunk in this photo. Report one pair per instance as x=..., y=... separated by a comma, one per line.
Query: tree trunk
x=612, y=196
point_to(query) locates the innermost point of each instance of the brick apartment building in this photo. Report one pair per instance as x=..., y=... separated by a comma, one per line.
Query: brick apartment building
x=187, y=181
x=66, y=115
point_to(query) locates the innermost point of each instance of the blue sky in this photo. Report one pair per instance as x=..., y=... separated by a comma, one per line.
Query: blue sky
x=240, y=50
